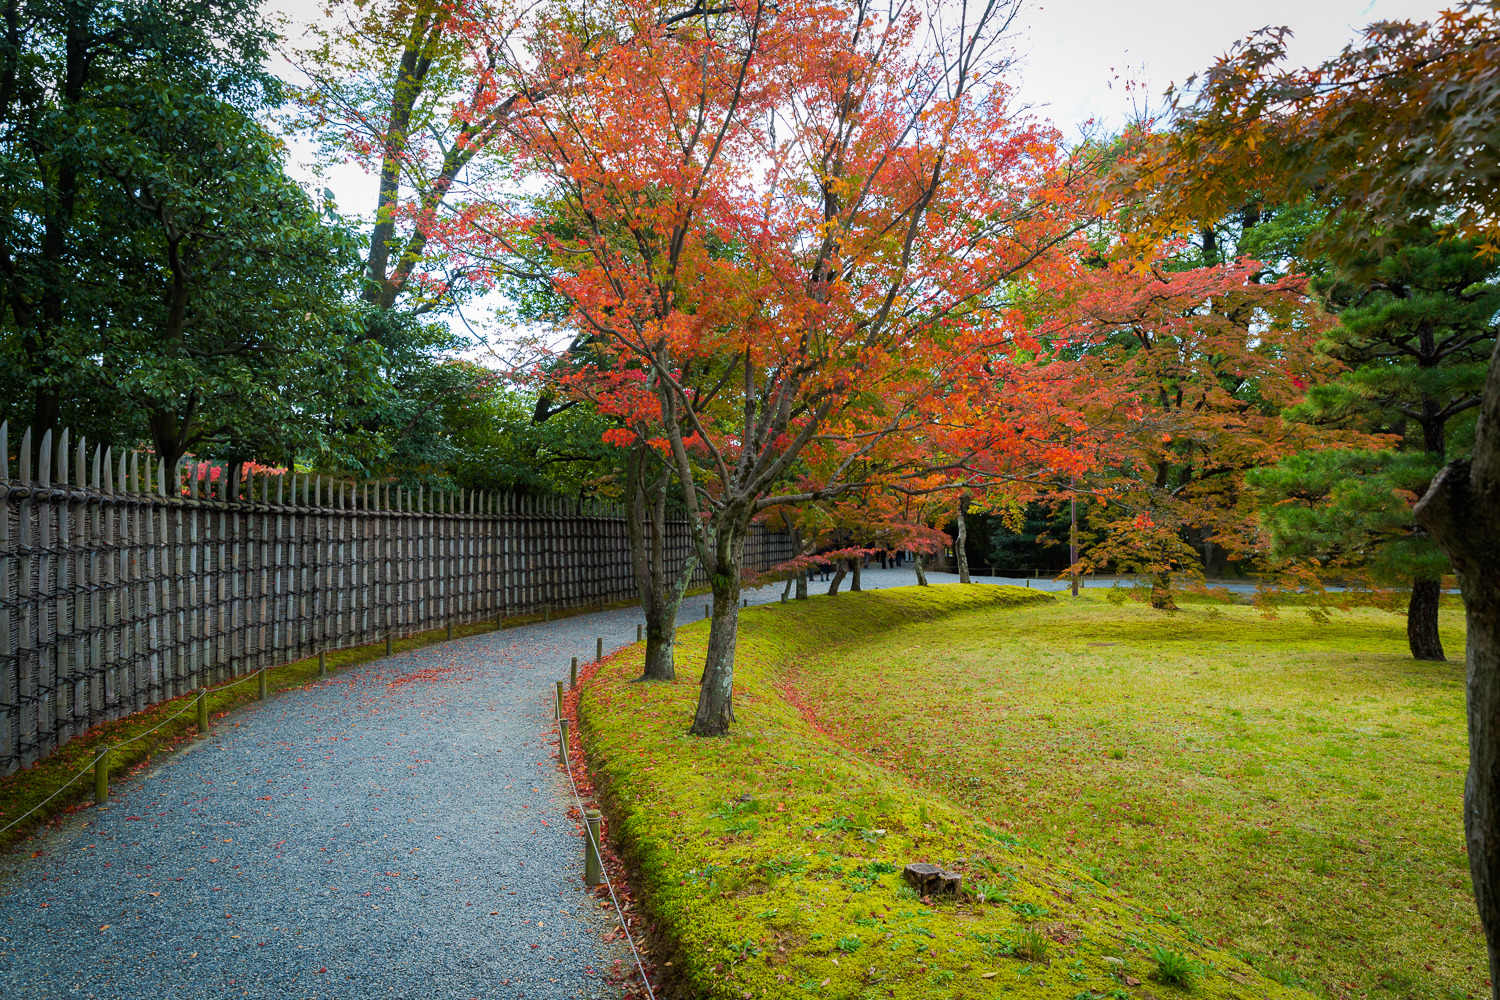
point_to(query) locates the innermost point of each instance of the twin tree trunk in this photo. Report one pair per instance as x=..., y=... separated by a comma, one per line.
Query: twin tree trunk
x=661, y=593
x=1462, y=513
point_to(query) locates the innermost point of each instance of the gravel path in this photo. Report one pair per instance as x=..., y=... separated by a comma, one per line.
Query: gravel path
x=398, y=830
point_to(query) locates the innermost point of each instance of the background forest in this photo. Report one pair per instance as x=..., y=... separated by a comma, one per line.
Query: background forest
x=1248, y=392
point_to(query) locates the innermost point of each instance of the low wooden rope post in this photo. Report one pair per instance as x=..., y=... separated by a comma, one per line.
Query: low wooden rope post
x=599, y=650
x=575, y=673
x=562, y=742
x=705, y=611
x=638, y=633
x=390, y=643
x=322, y=663
x=101, y=776
x=559, y=699
x=546, y=612
x=261, y=685
x=450, y=630
x=203, y=711
x=591, y=866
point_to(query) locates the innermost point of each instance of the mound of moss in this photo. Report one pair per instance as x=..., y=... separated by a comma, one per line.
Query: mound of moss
x=770, y=861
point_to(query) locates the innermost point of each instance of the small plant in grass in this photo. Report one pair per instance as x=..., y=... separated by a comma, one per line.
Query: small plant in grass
x=1032, y=945
x=849, y=945
x=907, y=894
x=1029, y=911
x=731, y=810
x=989, y=892
x=1283, y=975
x=1173, y=967
x=1117, y=754
x=742, y=951
x=943, y=976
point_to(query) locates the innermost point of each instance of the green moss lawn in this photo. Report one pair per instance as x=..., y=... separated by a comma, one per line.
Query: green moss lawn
x=769, y=860
x=1289, y=790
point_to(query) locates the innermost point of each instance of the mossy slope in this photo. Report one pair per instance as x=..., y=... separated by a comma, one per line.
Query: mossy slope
x=770, y=859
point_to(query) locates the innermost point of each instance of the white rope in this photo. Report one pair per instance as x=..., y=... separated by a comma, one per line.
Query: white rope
x=191, y=702
x=589, y=833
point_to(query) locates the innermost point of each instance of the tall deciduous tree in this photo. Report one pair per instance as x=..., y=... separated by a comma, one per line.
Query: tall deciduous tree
x=1183, y=377
x=818, y=202
x=60, y=64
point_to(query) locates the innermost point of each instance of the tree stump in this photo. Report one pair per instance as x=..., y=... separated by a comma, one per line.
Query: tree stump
x=930, y=880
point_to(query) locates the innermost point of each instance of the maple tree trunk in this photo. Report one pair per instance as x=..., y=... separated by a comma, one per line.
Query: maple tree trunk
x=1462, y=513
x=802, y=586
x=857, y=563
x=961, y=548
x=838, y=578
x=1422, y=621
x=716, y=689
x=661, y=595
x=1161, y=592
x=921, y=573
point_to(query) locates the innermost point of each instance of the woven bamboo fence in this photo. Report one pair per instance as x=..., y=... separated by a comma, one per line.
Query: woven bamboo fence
x=124, y=583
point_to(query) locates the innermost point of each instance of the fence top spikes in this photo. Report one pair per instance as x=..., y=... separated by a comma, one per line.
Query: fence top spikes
x=44, y=459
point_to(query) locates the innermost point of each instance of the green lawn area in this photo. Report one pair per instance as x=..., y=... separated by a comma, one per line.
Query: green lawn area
x=1287, y=789
x=769, y=861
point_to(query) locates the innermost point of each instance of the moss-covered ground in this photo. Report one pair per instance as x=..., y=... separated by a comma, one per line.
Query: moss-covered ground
x=1289, y=789
x=769, y=860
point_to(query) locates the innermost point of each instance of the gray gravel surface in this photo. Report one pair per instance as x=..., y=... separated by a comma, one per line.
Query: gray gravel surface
x=399, y=830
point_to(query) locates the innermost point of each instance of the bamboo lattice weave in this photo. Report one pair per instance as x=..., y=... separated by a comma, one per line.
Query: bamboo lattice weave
x=123, y=583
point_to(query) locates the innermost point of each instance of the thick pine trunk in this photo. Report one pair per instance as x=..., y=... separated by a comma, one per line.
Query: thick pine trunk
x=1462, y=513
x=961, y=549
x=916, y=561
x=1422, y=621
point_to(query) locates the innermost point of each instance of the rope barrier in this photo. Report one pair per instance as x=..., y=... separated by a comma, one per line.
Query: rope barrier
x=191, y=703
x=624, y=926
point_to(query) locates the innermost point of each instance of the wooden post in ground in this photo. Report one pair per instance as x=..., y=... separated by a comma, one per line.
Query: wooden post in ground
x=591, y=865
x=562, y=742
x=575, y=673
x=599, y=650
x=322, y=663
x=202, y=711
x=101, y=776
x=559, y=699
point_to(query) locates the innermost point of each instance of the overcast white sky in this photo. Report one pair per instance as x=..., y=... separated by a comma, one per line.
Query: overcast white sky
x=1072, y=50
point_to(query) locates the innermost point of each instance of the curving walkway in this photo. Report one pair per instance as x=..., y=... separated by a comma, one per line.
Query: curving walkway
x=397, y=830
